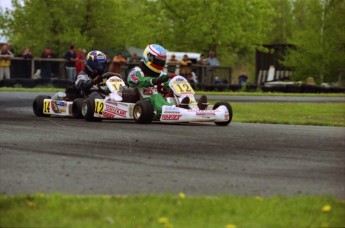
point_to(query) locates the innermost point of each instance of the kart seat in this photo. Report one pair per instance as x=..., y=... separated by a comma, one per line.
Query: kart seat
x=130, y=94
x=73, y=93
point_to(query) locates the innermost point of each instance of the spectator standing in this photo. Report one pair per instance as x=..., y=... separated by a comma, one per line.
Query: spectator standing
x=71, y=58
x=133, y=62
x=27, y=55
x=46, y=65
x=172, y=63
x=185, y=67
x=202, y=62
x=5, y=62
x=80, y=64
x=117, y=63
x=213, y=62
x=134, y=59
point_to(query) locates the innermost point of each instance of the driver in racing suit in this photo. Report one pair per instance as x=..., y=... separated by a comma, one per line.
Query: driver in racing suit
x=149, y=73
x=87, y=79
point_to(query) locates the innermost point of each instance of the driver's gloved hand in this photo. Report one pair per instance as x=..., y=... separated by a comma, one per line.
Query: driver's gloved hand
x=160, y=79
x=97, y=80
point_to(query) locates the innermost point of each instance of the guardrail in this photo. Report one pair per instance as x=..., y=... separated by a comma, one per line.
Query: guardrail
x=26, y=68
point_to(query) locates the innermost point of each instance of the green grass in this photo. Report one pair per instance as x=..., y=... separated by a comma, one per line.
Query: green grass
x=170, y=211
x=322, y=114
x=230, y=93
x=35, y=89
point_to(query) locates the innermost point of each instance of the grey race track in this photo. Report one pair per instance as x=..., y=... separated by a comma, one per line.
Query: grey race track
x=122, y=157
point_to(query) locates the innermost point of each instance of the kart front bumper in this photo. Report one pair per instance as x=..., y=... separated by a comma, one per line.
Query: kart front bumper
x=173, y=114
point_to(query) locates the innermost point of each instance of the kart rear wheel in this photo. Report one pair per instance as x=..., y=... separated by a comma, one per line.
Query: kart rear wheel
x=143, y=112
x=228, y=106
x=88, y=109
x=37, y=106
x=77, y=108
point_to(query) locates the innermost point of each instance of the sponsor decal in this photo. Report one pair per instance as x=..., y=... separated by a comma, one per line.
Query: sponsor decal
x=133, y=77
x=114, y=111
x=171, y=117
x=148, y=91
x=61, y=103
x=100, y=57
x=115, y=80
x=179, y=79
x=171, y=108
x=108, y=115
x=205, y=113
x=54, y=107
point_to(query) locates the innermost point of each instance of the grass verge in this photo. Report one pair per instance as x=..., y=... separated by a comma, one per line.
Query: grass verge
x=58, y=210
x=321, y=114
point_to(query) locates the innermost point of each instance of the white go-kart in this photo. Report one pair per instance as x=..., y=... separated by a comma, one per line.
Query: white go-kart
x=123, y=102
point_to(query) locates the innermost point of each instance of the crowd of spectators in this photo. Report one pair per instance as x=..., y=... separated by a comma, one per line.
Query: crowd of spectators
x=75, y=63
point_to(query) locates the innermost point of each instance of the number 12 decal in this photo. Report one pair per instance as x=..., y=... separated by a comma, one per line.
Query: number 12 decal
x=183, y=88
x=99, y=106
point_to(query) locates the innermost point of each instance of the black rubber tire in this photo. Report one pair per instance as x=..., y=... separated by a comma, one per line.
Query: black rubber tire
x=143, y=112
x=88, y=108
x=37, y=106
x=76, y=108
x=228, y=106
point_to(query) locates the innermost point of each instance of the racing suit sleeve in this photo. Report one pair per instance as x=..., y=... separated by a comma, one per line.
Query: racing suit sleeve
x=136, y=78
x=83, y=82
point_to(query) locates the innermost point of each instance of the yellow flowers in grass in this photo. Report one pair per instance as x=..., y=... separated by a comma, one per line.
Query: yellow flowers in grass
x=181, y=195
x=230, y=226
x=326, y=208
x=165, y=221
x=259, y=198
x=31, y=204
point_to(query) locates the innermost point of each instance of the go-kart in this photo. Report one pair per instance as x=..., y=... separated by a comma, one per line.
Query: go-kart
x=123, y=102
x=117, y=103
x=179, y=88
x=59, y=104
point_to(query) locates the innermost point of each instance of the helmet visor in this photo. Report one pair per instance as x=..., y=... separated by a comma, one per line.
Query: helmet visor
x=160, y=63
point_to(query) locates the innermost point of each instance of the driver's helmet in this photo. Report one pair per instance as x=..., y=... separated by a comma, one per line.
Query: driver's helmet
x=155, y=57
x=96, y=62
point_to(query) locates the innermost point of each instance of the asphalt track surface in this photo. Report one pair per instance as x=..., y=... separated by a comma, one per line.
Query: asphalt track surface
x=121, y=157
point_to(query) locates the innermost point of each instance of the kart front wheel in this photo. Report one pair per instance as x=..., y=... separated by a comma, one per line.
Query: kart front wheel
x=88, y=109
x=37, y=106
x=228, y=106
x=77, y=108
x=143, y=112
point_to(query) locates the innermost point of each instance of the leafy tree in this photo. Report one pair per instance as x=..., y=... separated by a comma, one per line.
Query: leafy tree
x=282, y=22
x=320, y=40
x=59, y=23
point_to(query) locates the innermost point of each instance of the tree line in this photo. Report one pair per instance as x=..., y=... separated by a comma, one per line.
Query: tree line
x=235, y=29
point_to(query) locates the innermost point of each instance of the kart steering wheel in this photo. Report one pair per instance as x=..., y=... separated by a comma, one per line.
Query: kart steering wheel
x=106, y=76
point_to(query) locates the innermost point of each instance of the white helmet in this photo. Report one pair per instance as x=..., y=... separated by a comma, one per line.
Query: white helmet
x=155, y=57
